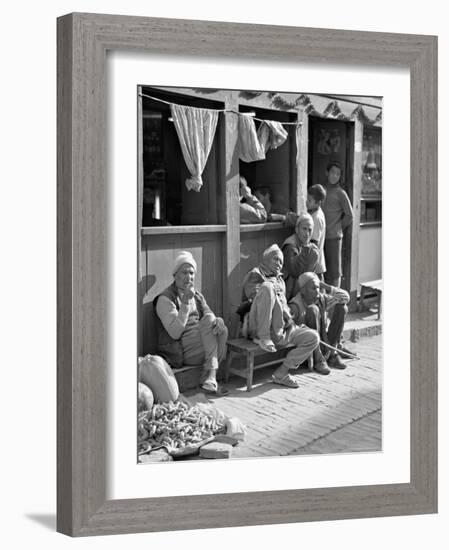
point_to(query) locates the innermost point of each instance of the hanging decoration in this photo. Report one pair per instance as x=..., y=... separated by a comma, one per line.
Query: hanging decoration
x=333, y=111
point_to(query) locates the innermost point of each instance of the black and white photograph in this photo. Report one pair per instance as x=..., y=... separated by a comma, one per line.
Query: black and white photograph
x=260, y=274
x=220, y=275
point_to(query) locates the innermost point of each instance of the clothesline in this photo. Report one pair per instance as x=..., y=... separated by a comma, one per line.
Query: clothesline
x=218, y=110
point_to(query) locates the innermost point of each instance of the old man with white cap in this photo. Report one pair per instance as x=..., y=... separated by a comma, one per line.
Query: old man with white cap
x=269, y=322
x=300, y=254
x=311, y=306
x=188, y=331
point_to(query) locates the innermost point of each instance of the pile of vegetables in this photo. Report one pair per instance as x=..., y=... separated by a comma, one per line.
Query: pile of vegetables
x=178, y=427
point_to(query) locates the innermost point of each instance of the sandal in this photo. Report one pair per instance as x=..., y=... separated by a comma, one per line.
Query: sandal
x=286, y=380
x=210, y=388
x=266, y=345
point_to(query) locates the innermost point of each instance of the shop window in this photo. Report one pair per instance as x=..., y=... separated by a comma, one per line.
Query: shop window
x=371, y=192
x=274, y=177
x=371, y=210
x=166, y=199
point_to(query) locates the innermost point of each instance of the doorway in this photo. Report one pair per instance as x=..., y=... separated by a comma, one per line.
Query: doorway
x=333, y=140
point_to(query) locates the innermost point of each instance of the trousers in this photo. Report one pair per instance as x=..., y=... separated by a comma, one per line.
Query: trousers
x=267, y=321
x=332, y=254
x=314, y=319
x=201, y=346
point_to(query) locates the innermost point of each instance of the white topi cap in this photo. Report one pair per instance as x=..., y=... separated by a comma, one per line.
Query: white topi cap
x=184, y=257
x=273, y=249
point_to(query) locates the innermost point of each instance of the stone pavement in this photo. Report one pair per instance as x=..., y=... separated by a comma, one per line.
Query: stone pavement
x=362, y=435
x=340, y=412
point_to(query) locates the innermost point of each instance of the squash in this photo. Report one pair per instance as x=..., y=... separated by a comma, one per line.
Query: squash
x=156, y=373
x=145, y=398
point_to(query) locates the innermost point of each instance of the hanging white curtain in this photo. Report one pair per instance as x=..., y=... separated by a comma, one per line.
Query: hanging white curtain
x=250, y=149
x=196, y=130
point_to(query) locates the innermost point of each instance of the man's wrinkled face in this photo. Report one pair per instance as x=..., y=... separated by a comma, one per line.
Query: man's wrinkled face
x=304, y=231
x=185, y=276
x=275, y=262
x=311, y=291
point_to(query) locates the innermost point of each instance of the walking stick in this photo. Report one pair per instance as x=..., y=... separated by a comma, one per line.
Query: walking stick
x=339, y=351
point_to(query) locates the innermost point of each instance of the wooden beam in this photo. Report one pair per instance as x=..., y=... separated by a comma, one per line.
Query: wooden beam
x=302, y=154
x=140, y=268
x=356, y=194
x=232, y=279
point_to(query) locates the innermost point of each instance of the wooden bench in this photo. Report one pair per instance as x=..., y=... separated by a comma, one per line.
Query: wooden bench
x=242, y=347
x=372, y=286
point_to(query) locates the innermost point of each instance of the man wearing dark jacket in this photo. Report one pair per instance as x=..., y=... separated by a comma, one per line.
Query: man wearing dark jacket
x=300, y=254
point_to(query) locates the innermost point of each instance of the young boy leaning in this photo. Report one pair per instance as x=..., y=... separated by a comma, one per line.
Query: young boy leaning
x=338, y=212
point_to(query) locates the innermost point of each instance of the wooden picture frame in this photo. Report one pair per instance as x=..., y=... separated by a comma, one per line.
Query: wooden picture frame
x=83, y=40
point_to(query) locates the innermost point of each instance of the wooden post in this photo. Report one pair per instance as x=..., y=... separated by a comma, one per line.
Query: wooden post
x=140, y=283
x=302, y=143
x=356, y=194
x=232, y=279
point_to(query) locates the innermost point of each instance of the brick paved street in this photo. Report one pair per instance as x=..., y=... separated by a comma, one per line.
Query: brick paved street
x=363, y=435
x=340, y=412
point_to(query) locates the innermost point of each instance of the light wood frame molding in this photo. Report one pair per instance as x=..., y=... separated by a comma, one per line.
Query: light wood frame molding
x=83, y=40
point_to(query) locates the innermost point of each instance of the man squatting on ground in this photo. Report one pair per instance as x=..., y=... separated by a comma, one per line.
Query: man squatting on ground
x=188, y=331
x=310, y=306
x=270, y=323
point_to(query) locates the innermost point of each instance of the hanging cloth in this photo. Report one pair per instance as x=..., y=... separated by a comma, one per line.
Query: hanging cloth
x=271, y=134
x=249, y=146
x=196, y=130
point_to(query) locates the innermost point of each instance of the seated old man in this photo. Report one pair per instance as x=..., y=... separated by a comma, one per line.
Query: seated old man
x=270, y=323
x=311, y=306
x=300, y=254
x=188, y=331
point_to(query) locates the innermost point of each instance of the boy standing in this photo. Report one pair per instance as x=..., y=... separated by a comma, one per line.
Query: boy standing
x=315, y=197
x=338, y=213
